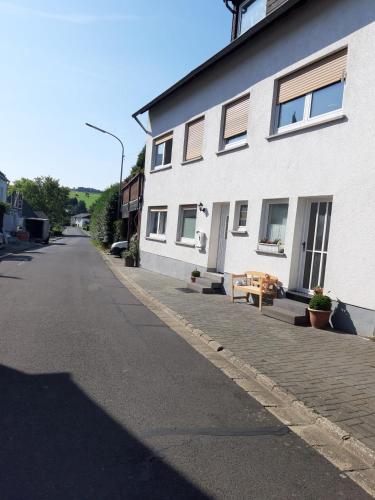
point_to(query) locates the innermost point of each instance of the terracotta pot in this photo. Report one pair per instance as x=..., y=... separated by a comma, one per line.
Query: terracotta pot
x=193, y=278
x=319, y=319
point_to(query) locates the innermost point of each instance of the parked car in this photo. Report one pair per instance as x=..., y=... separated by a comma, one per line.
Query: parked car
x=118, y=247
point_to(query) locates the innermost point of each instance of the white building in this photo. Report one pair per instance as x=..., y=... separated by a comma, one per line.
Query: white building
x=272, y=140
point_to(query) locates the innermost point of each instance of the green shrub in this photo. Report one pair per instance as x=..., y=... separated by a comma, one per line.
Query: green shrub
x=133, y=250
x=320, y=302
x=104, y=216
x=57, y=230
x=195, y=273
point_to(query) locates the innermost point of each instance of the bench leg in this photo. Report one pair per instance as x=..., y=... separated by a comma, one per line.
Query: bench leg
x=232, y=298
x=247, y=297
x=260, y=302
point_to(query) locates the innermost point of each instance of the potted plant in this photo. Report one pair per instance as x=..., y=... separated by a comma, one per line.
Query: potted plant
x=320, y=308
x=270, y=246
x=194, y=275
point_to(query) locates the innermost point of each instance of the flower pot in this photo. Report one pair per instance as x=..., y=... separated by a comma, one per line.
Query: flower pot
x=319, y=319
x=129, y=262
x=193, y=278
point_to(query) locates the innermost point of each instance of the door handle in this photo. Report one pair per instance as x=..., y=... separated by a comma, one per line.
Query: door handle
x=304, y=245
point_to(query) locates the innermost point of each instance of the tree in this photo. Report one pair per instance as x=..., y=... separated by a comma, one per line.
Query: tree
x=140, y=164
x=81, y=207
x=45, y=194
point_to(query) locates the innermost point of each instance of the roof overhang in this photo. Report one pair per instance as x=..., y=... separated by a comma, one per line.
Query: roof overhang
x=259, y=27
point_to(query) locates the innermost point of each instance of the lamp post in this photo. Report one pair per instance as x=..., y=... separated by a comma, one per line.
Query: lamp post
x=122, y=162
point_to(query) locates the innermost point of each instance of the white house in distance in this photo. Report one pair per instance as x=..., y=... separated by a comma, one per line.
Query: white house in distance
x=267, y=151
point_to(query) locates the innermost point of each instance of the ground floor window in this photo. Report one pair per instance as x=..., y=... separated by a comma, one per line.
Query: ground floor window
x=157, y=221
x=187, y=223
x=273, y=226
x=240, y=216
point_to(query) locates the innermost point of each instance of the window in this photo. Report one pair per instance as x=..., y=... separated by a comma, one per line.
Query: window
x=240, y=216
x=162, y=151
x=312, y=92
x=250, y=13
x=235, y=122
x=157, y=220
x=276, y=217
x=194, y=139
x=187, y=223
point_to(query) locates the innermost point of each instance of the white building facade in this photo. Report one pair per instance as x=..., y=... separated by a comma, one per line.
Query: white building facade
x=264, y=159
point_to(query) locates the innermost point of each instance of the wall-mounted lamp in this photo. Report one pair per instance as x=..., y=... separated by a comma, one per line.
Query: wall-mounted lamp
x=201, y=207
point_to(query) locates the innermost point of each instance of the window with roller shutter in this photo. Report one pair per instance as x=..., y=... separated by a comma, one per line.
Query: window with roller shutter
x=194, y=139
x=236, y=116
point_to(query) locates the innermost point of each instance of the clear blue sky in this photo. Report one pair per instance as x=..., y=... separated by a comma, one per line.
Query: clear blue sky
x=65, y=62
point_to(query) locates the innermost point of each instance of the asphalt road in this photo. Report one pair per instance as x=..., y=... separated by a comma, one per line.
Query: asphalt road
x=99, y=400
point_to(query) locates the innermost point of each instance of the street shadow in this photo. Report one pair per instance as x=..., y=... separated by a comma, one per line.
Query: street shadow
x=16, y=258
x=76, y=236
x=56, y=443
x=10, y=277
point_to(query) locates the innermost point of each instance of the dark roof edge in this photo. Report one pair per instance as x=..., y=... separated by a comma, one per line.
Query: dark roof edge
x=221, y=54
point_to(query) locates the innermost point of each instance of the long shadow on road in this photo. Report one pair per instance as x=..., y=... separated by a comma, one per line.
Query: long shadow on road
x=56, y=443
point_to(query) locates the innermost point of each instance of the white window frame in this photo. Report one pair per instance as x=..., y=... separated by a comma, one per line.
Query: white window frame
x=265, y=216
x=158, y=235
x=307, y=120
x=180, y=238
x=237, y=212
x=162, y=166
x=239, y=22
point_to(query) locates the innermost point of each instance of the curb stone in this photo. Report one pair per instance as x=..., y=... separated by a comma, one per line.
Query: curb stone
x=347, y=453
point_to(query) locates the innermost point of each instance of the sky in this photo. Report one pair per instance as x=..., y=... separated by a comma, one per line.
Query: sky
x=67, y=62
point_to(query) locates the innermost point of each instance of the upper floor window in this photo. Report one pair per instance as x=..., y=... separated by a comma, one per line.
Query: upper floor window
x=250, y=13
x=194, y=140
x=162, y=151
x=235, y=122
x=311, y=92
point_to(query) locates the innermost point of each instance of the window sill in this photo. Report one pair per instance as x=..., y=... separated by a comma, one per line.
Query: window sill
x=237, y=232
x=159, y=169
x=308, y=125
x=194, y=160
x=271, y=254
x=155, y=238
x=233, y=148
x=185, y=244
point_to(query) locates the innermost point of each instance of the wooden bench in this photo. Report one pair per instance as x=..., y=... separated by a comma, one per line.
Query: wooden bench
x=254, y=283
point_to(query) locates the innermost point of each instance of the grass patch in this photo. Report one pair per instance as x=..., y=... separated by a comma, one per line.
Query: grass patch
x=88, y=198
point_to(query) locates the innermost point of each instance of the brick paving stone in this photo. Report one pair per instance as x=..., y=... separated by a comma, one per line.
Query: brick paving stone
x=331, y=372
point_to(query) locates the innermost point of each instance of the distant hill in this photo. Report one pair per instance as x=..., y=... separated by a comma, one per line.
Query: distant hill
x=86, y=190
x=89, y=197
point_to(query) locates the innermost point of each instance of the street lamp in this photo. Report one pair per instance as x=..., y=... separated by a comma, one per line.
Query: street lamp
x=122, y=162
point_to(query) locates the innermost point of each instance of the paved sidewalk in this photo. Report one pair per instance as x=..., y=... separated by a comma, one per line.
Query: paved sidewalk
x=331, y=373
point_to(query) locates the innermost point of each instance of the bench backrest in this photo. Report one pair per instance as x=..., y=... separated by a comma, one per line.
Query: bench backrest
x=259, y=274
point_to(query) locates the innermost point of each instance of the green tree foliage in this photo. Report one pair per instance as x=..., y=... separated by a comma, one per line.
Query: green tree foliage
x=45, y=194
x=140, y=164
x=103, y=226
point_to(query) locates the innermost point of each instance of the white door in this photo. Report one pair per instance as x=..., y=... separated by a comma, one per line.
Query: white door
x=315, y=245
x=223, y=234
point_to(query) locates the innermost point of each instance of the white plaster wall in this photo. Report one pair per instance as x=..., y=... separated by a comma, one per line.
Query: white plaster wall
x=335, y=160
